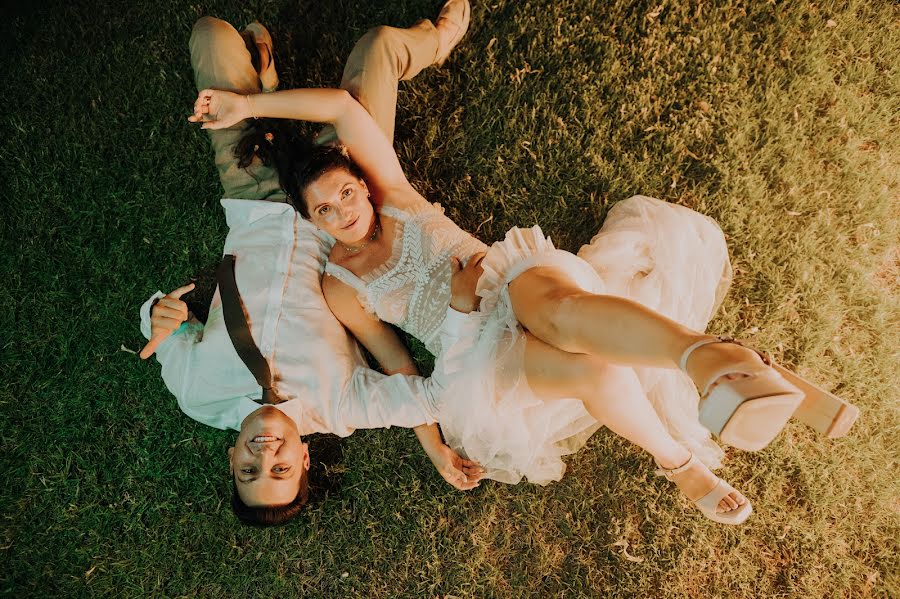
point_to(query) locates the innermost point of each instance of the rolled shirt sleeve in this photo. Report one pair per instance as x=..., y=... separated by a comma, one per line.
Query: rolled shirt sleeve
x=375, y=400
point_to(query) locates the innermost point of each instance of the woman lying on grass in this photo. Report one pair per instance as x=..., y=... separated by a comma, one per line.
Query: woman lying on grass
x=550, y=354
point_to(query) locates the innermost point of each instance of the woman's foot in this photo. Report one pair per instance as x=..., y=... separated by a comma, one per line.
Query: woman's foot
x=706, y=361
x=743, y=399
x=716, y=499
x=451, y=25
x=695, y=481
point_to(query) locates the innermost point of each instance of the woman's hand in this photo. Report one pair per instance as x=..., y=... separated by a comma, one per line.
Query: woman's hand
x=218, y=109
x=461, y=473
x=464, y=282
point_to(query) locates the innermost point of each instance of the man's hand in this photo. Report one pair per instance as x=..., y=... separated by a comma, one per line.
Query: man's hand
x=462, y=474
x=218, y=109
x=166, y=316
x=464, y=282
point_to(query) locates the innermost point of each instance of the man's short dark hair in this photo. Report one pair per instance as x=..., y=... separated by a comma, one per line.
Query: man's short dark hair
x=270, y=515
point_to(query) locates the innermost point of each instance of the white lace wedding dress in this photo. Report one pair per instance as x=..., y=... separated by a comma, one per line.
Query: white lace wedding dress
x=664, y=256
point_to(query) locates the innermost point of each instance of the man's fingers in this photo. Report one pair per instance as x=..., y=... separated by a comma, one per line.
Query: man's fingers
x=181, y=291
x=455, y=265
x=173, y=304
x=161, y=311
x=165, y=324
x=152, y=345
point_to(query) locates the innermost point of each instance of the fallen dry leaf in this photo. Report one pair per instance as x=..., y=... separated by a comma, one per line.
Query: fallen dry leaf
x=624, y=545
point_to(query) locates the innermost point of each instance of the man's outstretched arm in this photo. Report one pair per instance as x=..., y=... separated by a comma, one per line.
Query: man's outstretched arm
x=209, y=385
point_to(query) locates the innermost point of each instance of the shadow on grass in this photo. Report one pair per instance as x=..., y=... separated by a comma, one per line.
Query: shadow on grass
x=327, y=467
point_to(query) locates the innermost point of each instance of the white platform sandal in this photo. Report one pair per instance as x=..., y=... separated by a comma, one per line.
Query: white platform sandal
x=749, y=412
x=709, y=502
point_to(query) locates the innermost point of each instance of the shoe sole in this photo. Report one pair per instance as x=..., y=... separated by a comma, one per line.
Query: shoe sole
x=755, y=423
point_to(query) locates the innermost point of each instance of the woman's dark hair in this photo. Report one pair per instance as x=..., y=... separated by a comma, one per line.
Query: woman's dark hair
x=281, y=145
x=270, y=515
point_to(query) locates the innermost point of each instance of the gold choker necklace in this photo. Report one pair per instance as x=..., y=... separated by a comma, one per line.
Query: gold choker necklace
x=358, y=249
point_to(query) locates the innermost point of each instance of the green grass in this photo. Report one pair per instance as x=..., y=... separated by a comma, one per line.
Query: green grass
x=780, y=120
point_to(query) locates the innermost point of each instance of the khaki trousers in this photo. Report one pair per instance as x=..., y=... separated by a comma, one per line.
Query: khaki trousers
x=381, y=58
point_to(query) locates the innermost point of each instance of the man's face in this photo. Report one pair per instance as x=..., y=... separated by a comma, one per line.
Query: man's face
x=268, y=458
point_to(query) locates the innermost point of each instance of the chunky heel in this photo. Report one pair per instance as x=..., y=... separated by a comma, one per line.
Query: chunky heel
x=825, y=412
x=749, y=412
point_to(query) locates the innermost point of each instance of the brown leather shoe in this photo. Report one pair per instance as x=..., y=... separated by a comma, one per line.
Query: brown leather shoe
x=457, y=13
x=263, y=55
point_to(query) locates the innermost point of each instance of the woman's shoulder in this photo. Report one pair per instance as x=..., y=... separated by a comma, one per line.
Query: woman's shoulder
x=405, y=199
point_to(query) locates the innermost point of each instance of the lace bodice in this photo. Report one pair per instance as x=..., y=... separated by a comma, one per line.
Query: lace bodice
x=412, y=288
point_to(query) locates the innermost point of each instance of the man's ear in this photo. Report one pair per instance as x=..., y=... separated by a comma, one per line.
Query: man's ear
x=231, y=460
x=306, y=456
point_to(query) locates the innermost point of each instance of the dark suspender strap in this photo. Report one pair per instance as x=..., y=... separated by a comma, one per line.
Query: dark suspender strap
x=239, y=330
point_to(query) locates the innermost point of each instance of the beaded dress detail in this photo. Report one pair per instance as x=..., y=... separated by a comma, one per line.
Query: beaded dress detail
x=412, y=289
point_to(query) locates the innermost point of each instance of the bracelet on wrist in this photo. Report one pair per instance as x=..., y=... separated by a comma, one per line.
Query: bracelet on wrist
x=250, y=107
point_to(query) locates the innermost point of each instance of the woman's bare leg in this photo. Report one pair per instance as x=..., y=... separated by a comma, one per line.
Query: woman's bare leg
x=613, y=395
x=552, y=307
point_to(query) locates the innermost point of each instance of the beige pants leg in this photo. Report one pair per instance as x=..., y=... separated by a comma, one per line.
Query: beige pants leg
x=221, y=60
x=382, y=58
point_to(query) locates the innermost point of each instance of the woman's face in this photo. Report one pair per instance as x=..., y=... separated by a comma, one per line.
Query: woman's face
x=338, y=203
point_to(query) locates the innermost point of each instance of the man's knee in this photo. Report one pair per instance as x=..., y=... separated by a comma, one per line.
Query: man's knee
x=207, y=28
x=381, y=36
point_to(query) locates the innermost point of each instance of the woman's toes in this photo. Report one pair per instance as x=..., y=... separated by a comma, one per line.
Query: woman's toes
x=726, y=504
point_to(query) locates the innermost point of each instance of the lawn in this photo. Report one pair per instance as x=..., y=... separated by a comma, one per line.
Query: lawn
x=781, y=120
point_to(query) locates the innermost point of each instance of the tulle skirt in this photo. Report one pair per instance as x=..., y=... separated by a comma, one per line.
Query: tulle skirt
x=667, y=257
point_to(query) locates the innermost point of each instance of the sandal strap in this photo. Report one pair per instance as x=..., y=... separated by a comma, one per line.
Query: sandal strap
x=725, y=369
x=711, y=500
x=670, y=472
x=687, y=353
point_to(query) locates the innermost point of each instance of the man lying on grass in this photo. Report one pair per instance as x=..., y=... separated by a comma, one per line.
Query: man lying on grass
x=320, y=384
x=293, y=353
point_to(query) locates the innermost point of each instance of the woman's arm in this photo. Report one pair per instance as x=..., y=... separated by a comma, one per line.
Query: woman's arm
x=383, y=343
x=355, y=127
x=376, y=336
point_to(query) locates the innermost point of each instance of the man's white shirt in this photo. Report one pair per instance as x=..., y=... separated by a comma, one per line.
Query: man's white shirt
x=279, y=258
